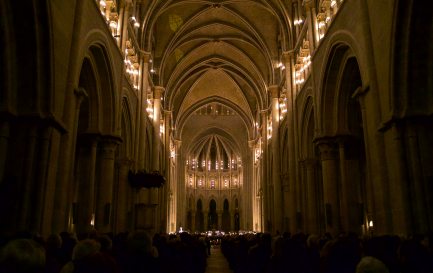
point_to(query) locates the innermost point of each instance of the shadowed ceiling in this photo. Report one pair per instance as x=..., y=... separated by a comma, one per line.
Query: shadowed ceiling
x=215, y=54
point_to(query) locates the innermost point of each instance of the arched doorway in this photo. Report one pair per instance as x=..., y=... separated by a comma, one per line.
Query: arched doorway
x=199, y=219
x=237, y=216
x=212, y=216
x=226, y=216
x=341, y=145
x=189, y=215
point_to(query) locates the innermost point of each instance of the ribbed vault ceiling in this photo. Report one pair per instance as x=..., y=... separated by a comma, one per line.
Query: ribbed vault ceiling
x=207, y=52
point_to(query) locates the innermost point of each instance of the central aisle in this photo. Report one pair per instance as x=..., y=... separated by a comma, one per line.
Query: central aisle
x=216, y=262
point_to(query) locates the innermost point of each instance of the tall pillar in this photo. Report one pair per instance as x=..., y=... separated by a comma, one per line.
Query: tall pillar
x=264, y=178
x=311, y=20
x=312, y=226
x=329, y=158
x=350, y=184
x=286, y=201
x=288, y=58
x=166, y=200
x=278, y=197
x=175, y=184
x=123, y=25
x=64, y=176
x=41, y=179
x=193, y=222
x=232, y=220
x=419, y=195
x=157, y=93
x=121, y=220
x=28, y=179
x=142, y=113
x=104, y=204
x=86, y=183
x=4, y=140
x=219, y=219
x=205, y=219
x=72, y=101
x=50, y=190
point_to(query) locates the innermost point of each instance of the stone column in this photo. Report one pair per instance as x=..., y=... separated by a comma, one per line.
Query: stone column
x=104, y=204
x=219, y=219
x=232, y=220
x=350, y=184
x=165, y=202
x=41, y=179
x=278, y=197
x=142, y=113
x=329, y=158
x=311, y=20
x=288, y=58
x=4, y=140
x=286, y=201
x=205, y=219
x=27, y=178
x=50, y=190
x=419, y=189
x=193, y=223
x=123, y=25
x=312, y=197
x=86, y=182
x=175, y=183
x=64, y=177
x=264, y=178
x=157, y=93
x=70, y=118
x=121, y=220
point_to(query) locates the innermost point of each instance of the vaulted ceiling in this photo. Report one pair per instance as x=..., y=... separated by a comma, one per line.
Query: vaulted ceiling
x=215, y=54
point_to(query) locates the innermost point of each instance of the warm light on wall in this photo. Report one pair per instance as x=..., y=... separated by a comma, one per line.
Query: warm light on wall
x=298, y=22
x=269, y=133
x=303, y=63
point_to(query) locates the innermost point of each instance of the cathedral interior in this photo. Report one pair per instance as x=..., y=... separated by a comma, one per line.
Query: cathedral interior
x=232, y=115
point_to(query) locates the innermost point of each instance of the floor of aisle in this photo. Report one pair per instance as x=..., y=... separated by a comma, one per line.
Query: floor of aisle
x=216, y=262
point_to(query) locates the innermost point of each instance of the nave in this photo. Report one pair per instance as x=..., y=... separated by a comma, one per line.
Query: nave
x=216, y=262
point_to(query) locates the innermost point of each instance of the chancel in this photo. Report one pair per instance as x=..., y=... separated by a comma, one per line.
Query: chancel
x=217, y=118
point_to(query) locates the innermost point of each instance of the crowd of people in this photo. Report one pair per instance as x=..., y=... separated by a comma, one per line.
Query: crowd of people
x=138, y=252
x=135, y=252
x=347, y=253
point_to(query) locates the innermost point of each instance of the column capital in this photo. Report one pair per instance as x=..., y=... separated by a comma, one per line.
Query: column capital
x=146, y=56
x=111, y=139
x=287, y=56
x=167, y=113
x=264, y=112
x=109, y=145
x=251, y=143
x=308, y=4
x=158, y=91
x=177, y=142
x=274, y=90
x=328, y=148
x=124, y=3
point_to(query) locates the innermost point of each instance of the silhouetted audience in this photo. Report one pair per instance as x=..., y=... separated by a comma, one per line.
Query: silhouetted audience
x=138, y=252
x=22, y=256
